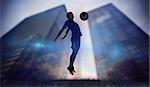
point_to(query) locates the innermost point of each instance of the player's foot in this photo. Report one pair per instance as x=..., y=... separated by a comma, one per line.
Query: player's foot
x=71, y=69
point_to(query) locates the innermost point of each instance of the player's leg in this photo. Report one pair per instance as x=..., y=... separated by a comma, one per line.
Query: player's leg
x=72, y=57
x=75, y=48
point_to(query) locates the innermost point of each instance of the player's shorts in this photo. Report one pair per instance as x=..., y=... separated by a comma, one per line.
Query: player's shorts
x=75, y=44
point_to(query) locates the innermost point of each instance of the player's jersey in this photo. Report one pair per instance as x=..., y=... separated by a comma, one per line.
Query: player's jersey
x=74, y=27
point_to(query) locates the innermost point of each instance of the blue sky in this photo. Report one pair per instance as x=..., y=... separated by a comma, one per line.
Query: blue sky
x=14, y=11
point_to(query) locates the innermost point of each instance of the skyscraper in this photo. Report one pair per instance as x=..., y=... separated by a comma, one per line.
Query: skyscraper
x=28, y=50
x=120, y=46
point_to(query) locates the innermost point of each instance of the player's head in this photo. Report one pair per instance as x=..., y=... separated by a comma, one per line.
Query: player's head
x=70, y=15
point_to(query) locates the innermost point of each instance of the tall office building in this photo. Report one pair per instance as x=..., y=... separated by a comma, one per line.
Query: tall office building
x=29, y=52
x=121, y=48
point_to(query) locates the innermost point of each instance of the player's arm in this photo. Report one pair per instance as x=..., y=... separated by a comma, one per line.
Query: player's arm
x=66, y=33
x=60, y=31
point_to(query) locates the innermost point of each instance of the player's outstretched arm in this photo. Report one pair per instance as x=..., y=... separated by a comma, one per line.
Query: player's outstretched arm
x=60, y=31
x=59, y=34
x=66, y=33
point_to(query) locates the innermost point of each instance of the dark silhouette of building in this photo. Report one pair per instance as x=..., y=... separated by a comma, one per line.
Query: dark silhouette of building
x=28, y=50
x=117, y=40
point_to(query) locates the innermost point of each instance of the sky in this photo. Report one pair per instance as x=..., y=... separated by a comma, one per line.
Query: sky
x=14, y=11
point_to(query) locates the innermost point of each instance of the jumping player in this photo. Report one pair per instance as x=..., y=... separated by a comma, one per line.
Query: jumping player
x=70, y=24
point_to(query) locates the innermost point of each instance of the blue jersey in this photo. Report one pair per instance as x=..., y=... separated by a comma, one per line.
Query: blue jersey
x=74, y=27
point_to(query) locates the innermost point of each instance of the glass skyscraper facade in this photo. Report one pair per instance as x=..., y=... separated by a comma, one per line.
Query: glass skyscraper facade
x=29, y=52
x=121, y=48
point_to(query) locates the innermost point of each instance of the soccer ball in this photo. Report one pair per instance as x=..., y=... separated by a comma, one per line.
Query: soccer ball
x=84, y=16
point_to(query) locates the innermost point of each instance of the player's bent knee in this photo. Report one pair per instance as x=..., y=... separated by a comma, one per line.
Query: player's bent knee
x=75, y=51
